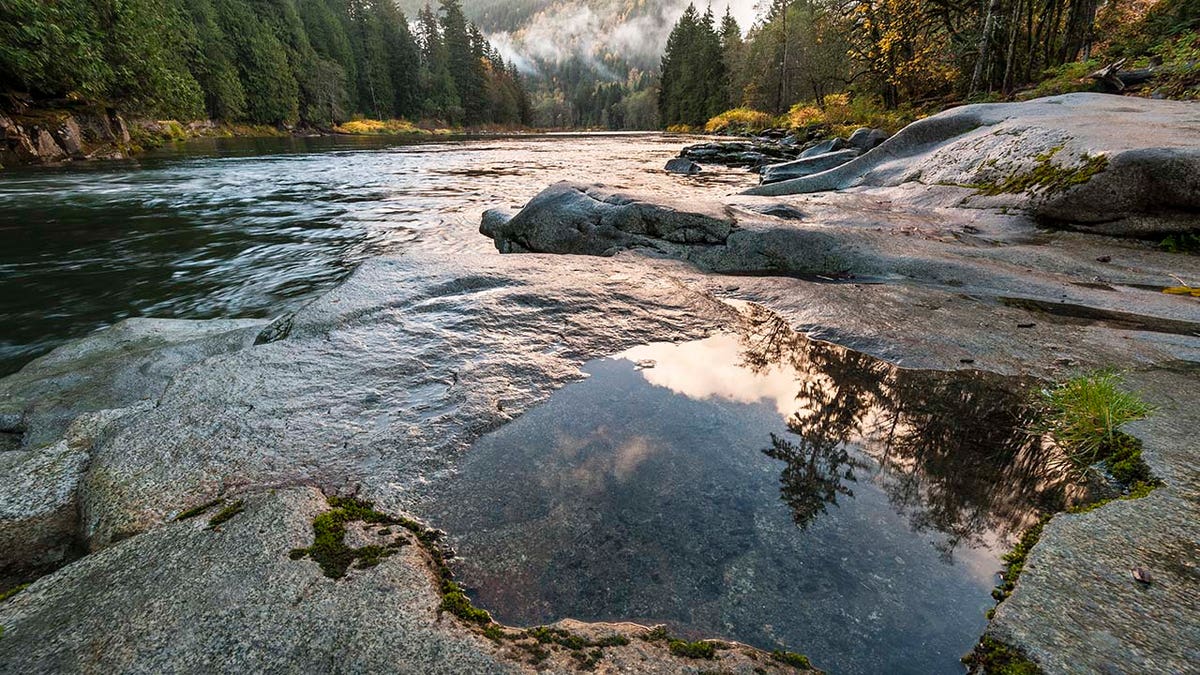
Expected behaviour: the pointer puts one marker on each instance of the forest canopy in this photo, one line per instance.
(316, 62)
(804, 56)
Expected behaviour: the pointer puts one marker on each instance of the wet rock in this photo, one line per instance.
(682, 165)
(752, 153)
(1095, 162)
(804, 167)
(594, 220)
(865, 139)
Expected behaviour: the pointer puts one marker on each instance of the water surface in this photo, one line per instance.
(759, 487)
(242, 228)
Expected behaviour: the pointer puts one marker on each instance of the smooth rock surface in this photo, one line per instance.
(1150, 181)
(828, 145)
(773, 173)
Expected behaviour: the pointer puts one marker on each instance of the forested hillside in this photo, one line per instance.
(589, 63)
(316, 62)
(886, 61)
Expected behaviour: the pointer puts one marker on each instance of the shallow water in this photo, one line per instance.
(759, 487)
(240, 228)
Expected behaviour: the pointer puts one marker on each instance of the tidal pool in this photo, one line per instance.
(760, 487)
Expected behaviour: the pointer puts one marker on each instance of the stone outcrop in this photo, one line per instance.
(1096, 162)
(55, 136)
(574, 218)
(773, 173)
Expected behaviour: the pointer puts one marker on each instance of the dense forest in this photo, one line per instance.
(280, 62)
(885, 55)
(587, 63)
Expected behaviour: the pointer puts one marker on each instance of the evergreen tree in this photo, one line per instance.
(463, 62)
(439, 97)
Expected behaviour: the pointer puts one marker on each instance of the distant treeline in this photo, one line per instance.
(897, 53)
(317, 62)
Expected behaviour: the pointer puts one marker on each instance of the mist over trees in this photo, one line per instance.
(317, 62)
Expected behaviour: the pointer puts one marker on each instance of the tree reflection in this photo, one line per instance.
(948, 448)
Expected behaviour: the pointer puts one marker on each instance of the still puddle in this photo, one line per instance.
(759, 487)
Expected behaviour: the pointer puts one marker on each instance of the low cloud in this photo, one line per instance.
(597, 29)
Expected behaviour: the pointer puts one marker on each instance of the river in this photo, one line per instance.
(243, 228)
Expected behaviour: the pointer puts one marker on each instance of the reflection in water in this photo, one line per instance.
(645, 494)
(921, 428)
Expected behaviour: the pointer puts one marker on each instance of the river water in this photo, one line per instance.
(244, 228)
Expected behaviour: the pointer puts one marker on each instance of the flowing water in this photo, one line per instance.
(753, 486)
(241, 228)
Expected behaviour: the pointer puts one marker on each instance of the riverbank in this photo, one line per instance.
(32, 134)
(378, 388)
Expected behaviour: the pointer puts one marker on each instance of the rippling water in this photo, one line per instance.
(237, 228)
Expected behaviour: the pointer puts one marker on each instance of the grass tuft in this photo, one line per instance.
(1084, 416)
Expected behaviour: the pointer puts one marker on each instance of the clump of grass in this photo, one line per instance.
(739, 120)
(1182, 242)
(1084, 416)
(226, 513)
(378, 127)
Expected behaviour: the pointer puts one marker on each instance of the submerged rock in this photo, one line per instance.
(1097, 162)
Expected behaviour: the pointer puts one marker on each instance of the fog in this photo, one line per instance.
(598, 28)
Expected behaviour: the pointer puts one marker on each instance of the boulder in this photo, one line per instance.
(682, 165)
(828, 145)
(595, 220)
(864, 139)
(69, 137)
(1095, 162)
(46, 148)
(807, 166)
(751, 153)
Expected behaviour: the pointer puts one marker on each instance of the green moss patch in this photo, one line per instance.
(1047, 176)
(792, 659)
(335, 558)
(329, 549)
(197, 510)
(702, 649)
(12, 591)
(993, 657)
(226, 513)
